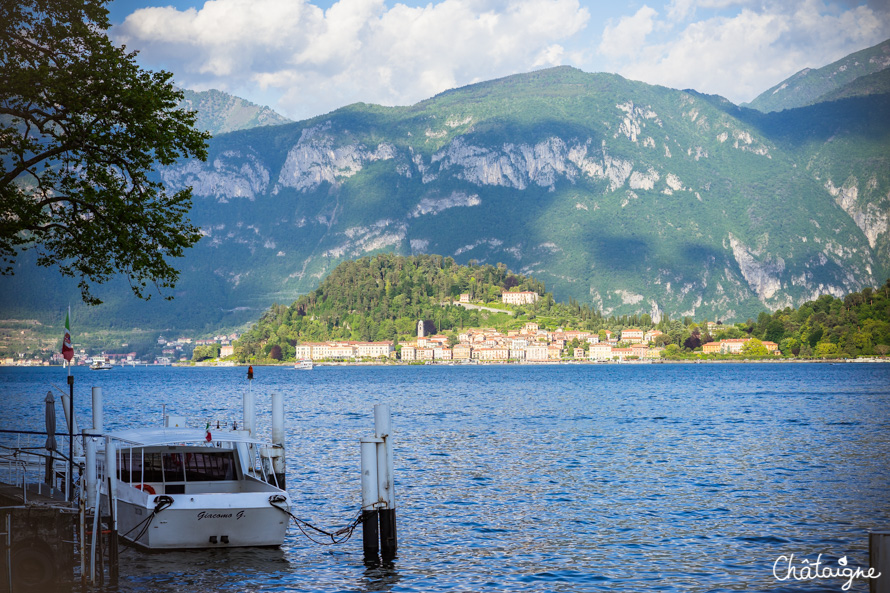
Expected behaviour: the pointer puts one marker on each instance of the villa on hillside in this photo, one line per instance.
(520, 298)
(632, 335)
(734, 346)
(651, 335)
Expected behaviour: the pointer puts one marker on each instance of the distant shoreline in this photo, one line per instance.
(561, 362)
(497, 363)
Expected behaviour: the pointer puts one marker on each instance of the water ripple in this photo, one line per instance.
(550, 478)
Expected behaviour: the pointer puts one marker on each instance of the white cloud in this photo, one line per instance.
(305, 61)
(625, 37)
(743, 54)
(357, 50)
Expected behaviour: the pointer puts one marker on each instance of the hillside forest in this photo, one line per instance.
(381, 298)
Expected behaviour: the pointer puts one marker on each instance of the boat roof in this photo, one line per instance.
(181, 436)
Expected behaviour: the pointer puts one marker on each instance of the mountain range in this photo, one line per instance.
(219, 112)
(632, 197)
(853, 75)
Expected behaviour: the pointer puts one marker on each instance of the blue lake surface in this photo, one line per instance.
(692, 477)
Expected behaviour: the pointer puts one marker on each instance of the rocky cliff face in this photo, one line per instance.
(873, 219)
(229, 176)
(318, 158)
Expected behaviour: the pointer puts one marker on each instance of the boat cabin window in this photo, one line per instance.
(192, 466)
(132, 469)
(209, 467)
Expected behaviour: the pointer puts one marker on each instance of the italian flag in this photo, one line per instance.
(67, 350)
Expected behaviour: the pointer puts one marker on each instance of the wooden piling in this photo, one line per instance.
(879, 561)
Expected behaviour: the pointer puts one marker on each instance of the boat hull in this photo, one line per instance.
(203, 521)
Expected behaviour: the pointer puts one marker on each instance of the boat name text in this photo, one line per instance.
(206, 515)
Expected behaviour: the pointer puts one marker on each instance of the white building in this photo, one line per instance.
(519, 298)
(373, 349)
(600, 352)
(537, 352)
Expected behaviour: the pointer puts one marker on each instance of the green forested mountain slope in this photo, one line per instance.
(813, 85)
(856, 325)
(629, 197)
(382, 297)
(869, 84)
(220, 112)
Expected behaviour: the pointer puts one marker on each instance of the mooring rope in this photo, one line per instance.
(162, 503)
(278, 501)
(339, 536)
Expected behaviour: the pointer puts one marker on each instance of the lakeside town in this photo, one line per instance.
(173, 351)
(427, 309)
(530, 343)
(509, 329)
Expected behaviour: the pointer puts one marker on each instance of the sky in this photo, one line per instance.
(308, 57)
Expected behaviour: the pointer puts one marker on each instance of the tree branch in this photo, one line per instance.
(25, 165)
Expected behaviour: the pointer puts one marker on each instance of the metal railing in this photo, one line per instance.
(26, 464)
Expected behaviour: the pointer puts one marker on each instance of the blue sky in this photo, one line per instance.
(304, 58)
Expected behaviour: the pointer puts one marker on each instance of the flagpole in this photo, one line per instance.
(71, 432)
(70, 421)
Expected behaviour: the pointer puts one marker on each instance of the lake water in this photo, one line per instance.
(692, 477)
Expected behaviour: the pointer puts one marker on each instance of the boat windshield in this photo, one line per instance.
(191, 466)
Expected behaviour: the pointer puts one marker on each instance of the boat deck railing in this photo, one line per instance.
(35, 473)
(129, 454)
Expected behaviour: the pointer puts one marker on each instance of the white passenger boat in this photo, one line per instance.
(303, 365)
(100, 363)
(191, 488)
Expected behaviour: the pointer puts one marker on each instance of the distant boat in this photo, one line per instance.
(303, 365)
(99, 363)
